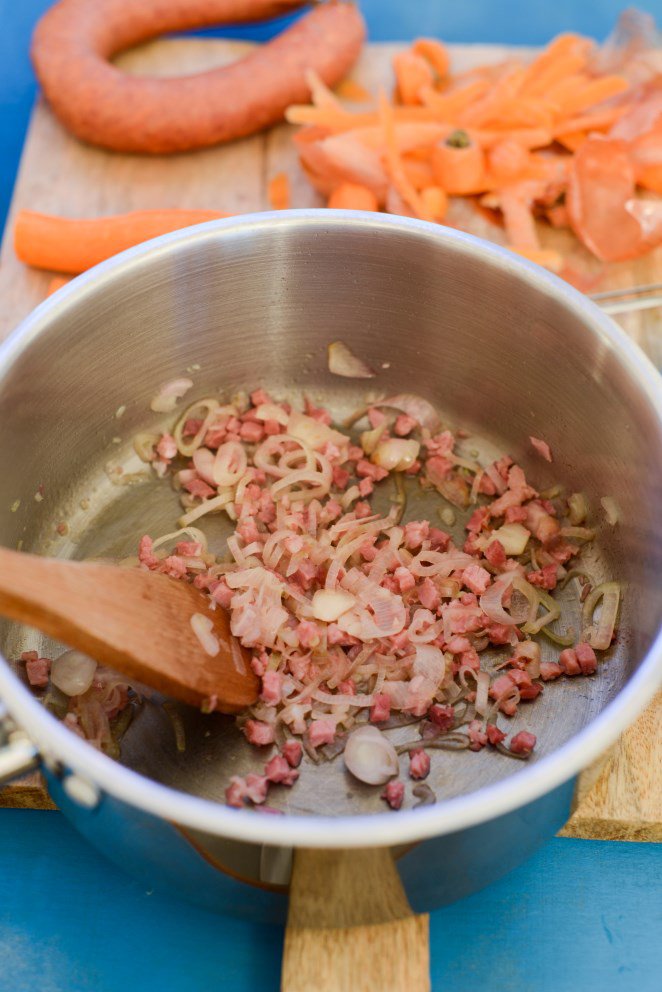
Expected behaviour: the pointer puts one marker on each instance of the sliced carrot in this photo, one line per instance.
(595, 91)
(57, 282)
(412, 74)
(64, 244)
(526, 137)
(547, 257)
(349, 89)
(435, 201)
(394, 163)
(458, 163)
(279, 192)
(517, 217)
(320, 94)
(599, 120)
(507, 159)
(418, 172)
(351, 196)
(449, 104)
(435, 53)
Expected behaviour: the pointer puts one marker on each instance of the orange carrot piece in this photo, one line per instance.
(57, 282)
(352, 196)
(435, 53)
(596, 91)
(547, 257)
(412, 74)
(394, 163)
(418, 172)
(279, 192)
(349, 89)
(526, 137)
(64, 244)
(435, 201)
(599, 120)
(320, 94)
(458, 163)
(518, 219)
(345, 120)
(559, 53)
(448, 105)
(572, 140)
(507, 160)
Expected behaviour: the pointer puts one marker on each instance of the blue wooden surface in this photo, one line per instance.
(580, 916)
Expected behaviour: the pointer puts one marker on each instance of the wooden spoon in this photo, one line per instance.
(134, 621)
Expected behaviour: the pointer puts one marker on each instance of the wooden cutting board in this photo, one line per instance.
(620, 797)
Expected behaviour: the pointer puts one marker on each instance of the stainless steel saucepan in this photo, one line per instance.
(502, 348)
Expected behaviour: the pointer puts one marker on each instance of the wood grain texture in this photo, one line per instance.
(620, 796)
(350, 926)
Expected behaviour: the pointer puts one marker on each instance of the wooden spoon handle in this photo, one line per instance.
(350, 926)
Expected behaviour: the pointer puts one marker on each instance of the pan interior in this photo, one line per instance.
(496, 354)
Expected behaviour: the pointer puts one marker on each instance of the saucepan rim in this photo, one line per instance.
(357, 830)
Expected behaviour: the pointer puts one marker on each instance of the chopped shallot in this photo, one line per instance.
(345, 363)
(203, 629)
(370, 756)
(165, 400)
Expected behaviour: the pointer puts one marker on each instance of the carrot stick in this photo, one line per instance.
(595, 121)
(349, 89)
(345, 120)
(63, 244)
(593, 92)
(418, 172)
(352, 196)
(279, 192)
(412, 74)
(435, 201)
(57, 282)
(458, 163)
(448, 105)
(572, 140)
(518, 219)
(394, 163)
(435, 53)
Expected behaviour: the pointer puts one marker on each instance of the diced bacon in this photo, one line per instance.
(347, 687)
(278, 770)
(428, 594)
(478, 519)
(293, 753)
(272, 687)
(457, 644)
(309, 634)
(527, 688)
(569, 662)
(191, 426)
(414, 468)
(241, 791)
(477, 736)
(404, 424)
(222, 594)
(419, 763)
(415, 533)
(167, 447)
(366, 487)
(368, 551)
(495, 553)
(494, 735)
(394, 793)
(251, 431)
(340, 477)
(499, 633)
(476, 578)
(586, 658)
(381, 708)
(37, 670)
(330, 511)
(376, 417)
(544, 578)
(272, 427)
(188, 549)
(502, 466)
(258, 733)
(400, 642)
(439, 539)
(438, 468)
(196, 487)
(523, 743)
(354, 453)
(486, 486)
(145, 554)
(334, 635)
(442, 716)
(516, 515)
(470, 659)
(543, 526)
(215, 437)
(441, 444)
(362, 510)
(318, 413)
(259, 397)
(259, 664)
(321, 732)
(173, 566)
(511, 498)
(541, 447)
(366, 470)
(550, 670)
(404, 578)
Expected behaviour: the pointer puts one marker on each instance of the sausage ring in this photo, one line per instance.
(75, 40)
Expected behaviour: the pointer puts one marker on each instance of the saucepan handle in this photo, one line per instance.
(18, 755)
(350, 926)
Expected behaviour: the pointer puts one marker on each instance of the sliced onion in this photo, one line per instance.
(491, 602)
(578, 533)
(165, 400)
(341, 361)
(612, 511)
(414, 406)
(144, 444)
(207, 506)
(530, 652)
(230, 464)
(203, 462)
(329, 604)
(429, 662)
(541, 447)
(370, 439)
(272, 411)
(578, 508)
(481, 703)
(396, 454)
(439, 563)
(73, 673)
(513, 537)
(370, 757)
(209, 410)
(534, 626)
(313, 433)
(203, 628)
(600, 635)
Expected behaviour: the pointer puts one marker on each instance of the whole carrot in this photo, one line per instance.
(64, 244)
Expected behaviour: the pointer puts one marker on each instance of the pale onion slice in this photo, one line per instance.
(396, 454)
(370, 757)
(203, 628)
(272, 411)
(345, 363)
(491, 602)
(73, 673)
(165, 400)
(329, 604)
(414, 406)
(612, 511)
(314, 433)
(600, 635)
(513, 537)
(370, 439)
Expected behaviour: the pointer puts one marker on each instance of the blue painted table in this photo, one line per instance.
(581, 915)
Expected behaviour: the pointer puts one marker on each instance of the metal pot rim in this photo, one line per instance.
(56, 743)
